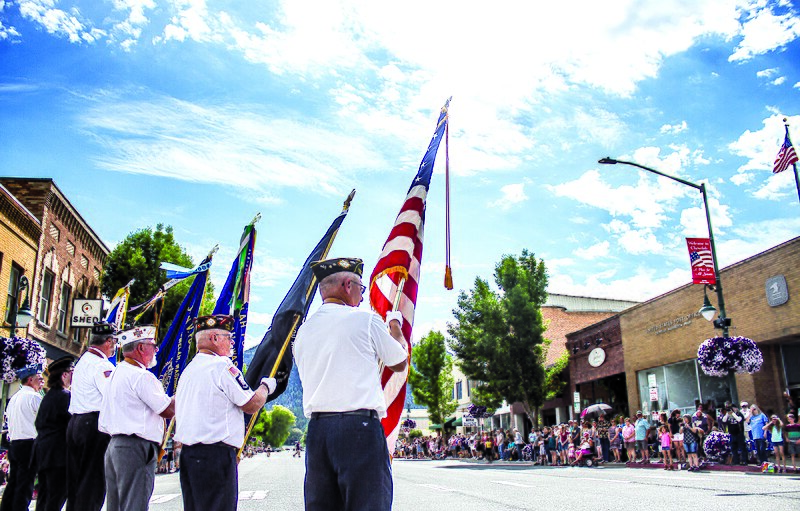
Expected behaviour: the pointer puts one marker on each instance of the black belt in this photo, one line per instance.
(362, 412)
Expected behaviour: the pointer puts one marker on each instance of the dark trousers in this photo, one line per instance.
(86, 450)
(209, 477)
(605, 446)
(761, 450)
(52, 489)
(347, 465)
(739, 448)
(19, 489)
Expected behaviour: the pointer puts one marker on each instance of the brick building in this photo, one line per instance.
(660, 337)
(68, 264)
(20, 231)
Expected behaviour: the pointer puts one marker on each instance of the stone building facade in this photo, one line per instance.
(69, 262)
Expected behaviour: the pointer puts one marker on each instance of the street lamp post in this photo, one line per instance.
(22, 313)
(723, 322)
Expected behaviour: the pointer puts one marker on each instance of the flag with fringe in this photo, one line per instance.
(398, 268)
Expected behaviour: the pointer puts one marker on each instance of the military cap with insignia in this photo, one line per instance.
(103, 328)
(28, 371)
(61, 365)
(215, 322)
(138, 334)
(329, 267)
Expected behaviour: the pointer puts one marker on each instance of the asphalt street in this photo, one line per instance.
(276, 482)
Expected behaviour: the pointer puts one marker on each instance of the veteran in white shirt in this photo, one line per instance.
(86, 444)
(210, 404)
(338, 351)
(22, 409)
(133, 412)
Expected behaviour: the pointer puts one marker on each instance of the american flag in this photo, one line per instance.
(400, 260)
(786, 155)
(702, 258)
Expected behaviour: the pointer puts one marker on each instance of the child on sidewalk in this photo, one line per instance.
(777, 435)
(666, 446)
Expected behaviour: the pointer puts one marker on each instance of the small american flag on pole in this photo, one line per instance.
(786, 155)
(702, 260)
(398, 268)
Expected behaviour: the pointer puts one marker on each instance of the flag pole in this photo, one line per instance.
(395, 306)
(794, 165)
(274, 370)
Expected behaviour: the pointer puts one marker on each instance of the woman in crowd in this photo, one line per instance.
(775, 430)
(595, 434)
(629, 437)
(793, 438)
(757, 420)
(615, 439)
(563, 444)
(691, 437)
(50, 448)
(675, 421)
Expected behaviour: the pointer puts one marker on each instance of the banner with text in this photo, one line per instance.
(702, 260)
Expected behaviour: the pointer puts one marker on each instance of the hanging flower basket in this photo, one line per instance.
(18, 352)
(719, 356)
(478, 412)
(408, 424)
(717, 445)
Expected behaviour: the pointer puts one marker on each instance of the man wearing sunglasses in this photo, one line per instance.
(133, 412)
(338, 350)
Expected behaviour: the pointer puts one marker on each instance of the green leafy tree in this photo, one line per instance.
(138, 257)
(431, 377)
(296, 434)
(499, 337)
(553, 382)
(274, 426)
(415, 433)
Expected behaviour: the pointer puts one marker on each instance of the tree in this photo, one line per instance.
(138, 257)
(431, 377)
(553, 384)
(274, 426)
(499, 337)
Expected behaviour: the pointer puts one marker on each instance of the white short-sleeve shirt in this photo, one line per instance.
(22, 409)
(338, 350)
(132, 403)
(89, 381)
(210, 392)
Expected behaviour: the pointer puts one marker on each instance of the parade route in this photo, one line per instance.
(276, 482)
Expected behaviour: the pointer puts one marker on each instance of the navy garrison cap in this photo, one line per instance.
(328, 267)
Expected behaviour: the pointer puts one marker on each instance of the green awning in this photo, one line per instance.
(458, 423)
(450, 423)
(435, 426)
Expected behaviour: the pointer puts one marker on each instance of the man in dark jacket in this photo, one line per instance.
(733, 422)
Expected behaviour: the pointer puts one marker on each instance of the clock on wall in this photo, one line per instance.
(596, 357)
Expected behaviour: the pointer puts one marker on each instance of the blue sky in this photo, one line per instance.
(200, 114)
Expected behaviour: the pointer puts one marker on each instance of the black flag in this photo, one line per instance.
(276, 346)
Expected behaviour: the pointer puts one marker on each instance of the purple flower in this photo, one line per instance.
(720, 356)
(18, 352)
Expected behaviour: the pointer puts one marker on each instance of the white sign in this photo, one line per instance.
(653, 393)
(576, 398)
(651, 379)
(470, 421)
(577, 407)
(596, 357)
(85, 313)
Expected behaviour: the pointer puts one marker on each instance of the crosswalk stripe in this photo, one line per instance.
(437, 487)
(253, 495)
(509, 483)
(160, 499)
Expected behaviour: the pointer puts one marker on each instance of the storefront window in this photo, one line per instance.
(682, 386)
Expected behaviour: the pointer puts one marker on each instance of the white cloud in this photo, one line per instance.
(130, 29)
(764, 31)
(225, 144)
(674, 129)
(593, 252)
(59, 22)
(643, 285)
(512, 194)
(779, 81)
(796, 86)
(749, 239)
(767, 73)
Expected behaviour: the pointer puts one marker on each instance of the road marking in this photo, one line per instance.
(253, 495)
(160, 499)
(509, 483)
(621, 481)
(437, 487)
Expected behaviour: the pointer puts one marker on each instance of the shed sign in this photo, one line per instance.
(85, 313)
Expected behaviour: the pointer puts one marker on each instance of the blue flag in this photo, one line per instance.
(234, 297)
(275, 346)
(174, 349)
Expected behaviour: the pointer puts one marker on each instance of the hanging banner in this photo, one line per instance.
(702, 260)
